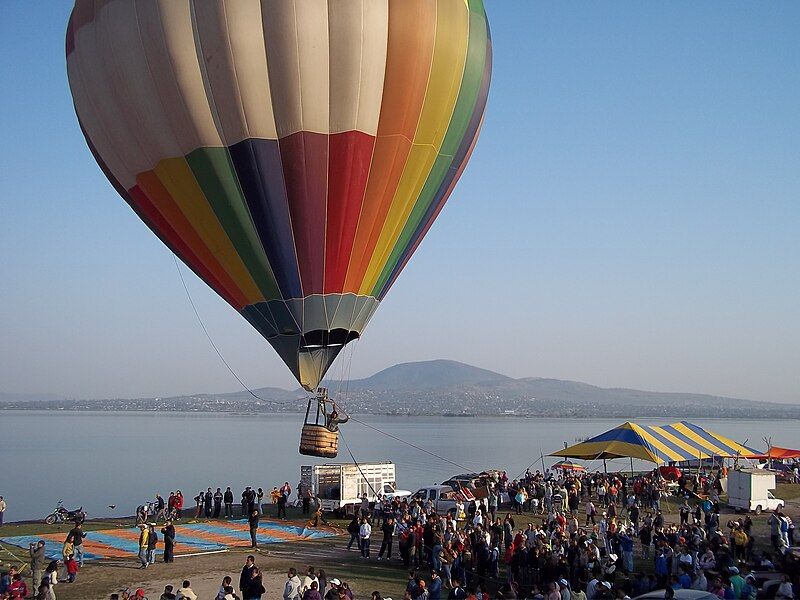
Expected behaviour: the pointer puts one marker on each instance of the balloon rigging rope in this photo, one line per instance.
(213, 345)
(347, 385)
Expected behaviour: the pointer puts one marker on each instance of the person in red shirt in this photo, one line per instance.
(72, 568)
(178, 504)
(18, 587)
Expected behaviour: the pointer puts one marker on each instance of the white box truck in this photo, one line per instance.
(340, 487)
(749, 489)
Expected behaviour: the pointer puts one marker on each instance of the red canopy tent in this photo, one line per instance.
(778, 453)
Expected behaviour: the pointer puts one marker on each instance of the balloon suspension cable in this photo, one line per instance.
(389, 435)
(347, 384)
(214, 346)
(407, 443)
(358, 466)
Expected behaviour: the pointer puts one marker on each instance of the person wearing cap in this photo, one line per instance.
(749, 589)
(737, 581)
(333, 593)
(564, 591)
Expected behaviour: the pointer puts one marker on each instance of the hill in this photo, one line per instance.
(447, 387)
(428, 375)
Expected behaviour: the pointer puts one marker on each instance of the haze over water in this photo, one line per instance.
(100, 459)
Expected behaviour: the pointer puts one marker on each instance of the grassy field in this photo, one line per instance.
(101, 578)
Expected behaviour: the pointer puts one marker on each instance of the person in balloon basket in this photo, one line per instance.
(334, 420)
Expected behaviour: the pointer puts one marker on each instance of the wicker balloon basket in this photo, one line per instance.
(318, 440)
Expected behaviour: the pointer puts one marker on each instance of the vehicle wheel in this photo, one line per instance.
(758, 509)
(737, 510)
(50, 519)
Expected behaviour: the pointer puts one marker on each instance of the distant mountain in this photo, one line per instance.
(428, 375)
(446, 387)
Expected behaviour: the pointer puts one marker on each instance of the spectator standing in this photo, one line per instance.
(208, 502)
(228, 499)
(255, 589)
(168, 531)
(291, 590)
(37, 562)
(152, 541)
(76, 536)
(144, 535)
(247, 574)
(253, 522)
(218, 496)
(364, 533)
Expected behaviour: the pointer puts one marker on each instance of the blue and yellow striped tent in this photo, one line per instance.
(658, 444)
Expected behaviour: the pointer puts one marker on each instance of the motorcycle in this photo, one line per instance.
(62, 515)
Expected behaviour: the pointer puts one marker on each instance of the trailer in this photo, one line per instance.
(749, 489)
(340, 488)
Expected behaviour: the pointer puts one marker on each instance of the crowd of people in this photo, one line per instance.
(585, 540)
(562, 536)
(220, 504)
(313, 584)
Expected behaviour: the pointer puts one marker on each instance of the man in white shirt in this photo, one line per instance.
(308, 579)
(364, 533)
(292, 589)
(2, 510)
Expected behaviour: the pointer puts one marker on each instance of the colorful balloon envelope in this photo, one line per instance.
(293, 153)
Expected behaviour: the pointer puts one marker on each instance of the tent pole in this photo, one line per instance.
(541, 455)
(631, 466)
(605, 469)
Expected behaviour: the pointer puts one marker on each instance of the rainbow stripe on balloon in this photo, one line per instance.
(292, 153)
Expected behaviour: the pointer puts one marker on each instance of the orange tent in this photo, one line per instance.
(778, 453)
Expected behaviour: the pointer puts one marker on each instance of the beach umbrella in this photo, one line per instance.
(568, 465)
(292, 154)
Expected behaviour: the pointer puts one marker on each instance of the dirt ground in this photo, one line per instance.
(99, 579)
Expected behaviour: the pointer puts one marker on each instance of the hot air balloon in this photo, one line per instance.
(292, 153)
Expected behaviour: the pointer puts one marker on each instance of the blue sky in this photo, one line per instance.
(630, 218)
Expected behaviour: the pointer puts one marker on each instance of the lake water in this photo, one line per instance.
(99, 459)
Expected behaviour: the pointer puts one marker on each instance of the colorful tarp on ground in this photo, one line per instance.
(191, 537)
(658, 444)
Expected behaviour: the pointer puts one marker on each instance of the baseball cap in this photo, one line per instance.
(335, 581)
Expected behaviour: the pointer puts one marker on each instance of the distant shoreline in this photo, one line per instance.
(604, 416)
